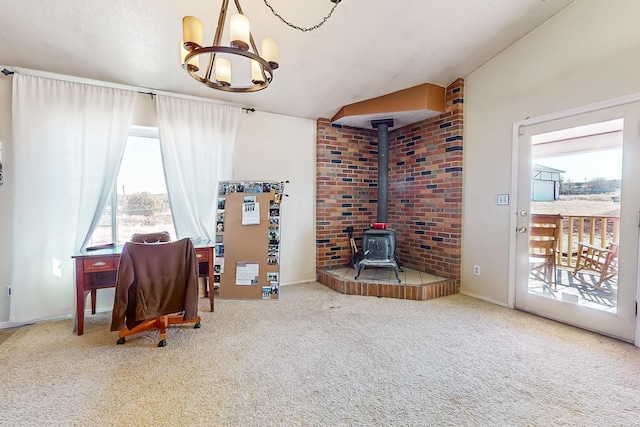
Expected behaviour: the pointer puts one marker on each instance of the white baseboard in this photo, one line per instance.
(6, 325)
(480, 297)
(298, 282)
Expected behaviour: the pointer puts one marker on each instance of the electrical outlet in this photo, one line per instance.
(8, 291)
(476, 270)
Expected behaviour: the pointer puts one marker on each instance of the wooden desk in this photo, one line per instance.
(97, 270)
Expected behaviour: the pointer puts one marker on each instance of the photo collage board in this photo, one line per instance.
(247, 251)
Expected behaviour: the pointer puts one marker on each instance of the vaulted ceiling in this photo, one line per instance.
(368, 48)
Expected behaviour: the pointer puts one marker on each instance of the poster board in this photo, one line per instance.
(247, 253)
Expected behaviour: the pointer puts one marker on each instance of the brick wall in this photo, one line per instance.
(425, 189)
(346, 189)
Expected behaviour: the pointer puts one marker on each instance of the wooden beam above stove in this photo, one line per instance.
(404, 107)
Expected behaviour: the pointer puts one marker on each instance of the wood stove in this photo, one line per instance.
(379, 250)
(379, 245)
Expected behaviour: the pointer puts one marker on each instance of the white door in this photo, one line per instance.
(593, 159)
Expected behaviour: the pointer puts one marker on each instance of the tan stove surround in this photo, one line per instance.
(405, 106)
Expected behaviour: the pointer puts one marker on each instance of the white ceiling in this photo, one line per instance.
(367, 49)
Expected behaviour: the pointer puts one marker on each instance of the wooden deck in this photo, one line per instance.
(570, 289)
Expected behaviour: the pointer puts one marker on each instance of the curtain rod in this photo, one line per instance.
(144, 91)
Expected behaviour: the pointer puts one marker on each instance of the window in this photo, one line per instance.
(140, 193)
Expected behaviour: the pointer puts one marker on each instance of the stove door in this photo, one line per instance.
(378, 248)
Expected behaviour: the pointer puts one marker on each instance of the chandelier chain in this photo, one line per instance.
(315, 27)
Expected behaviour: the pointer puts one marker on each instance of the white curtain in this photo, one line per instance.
(68, 140)
(197, 141)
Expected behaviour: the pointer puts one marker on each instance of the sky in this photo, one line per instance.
(141, 168)
(587, 166)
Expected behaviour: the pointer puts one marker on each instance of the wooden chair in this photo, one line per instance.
(164, 236)
(597, 261)
(157, 237)
(544, 234)
(156, 286)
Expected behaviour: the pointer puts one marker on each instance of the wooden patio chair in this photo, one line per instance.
(544, 234)
(602, 263)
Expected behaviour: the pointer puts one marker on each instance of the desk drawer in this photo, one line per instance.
(100, 264)
(202, 255)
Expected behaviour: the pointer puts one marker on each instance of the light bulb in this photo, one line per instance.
(223, 71)
(239, 32)
(192, 31)
(194, 62)
(270, 52)
(256, 72)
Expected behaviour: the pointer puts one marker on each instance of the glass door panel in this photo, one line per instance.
(574, 184)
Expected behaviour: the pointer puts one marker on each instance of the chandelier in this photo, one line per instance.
(216, 59)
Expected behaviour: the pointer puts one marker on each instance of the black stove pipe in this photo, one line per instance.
(383, 166)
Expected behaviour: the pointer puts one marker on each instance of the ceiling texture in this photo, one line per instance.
(368, 48)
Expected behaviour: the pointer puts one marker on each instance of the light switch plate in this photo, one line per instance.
(503, 199)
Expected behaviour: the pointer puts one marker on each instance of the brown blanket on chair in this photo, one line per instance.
(154, 280)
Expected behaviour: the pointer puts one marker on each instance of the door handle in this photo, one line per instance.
(522, 229)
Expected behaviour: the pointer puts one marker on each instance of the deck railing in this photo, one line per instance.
(596, 230)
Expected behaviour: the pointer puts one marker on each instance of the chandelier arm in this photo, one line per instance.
(315, 27)
(218, 36)
(221, 20)
(212, 59)
(255, 50)
(238, 7)
(253, 44)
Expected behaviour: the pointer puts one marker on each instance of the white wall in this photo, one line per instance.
(588, 53)
(269, 147)
(281, 148)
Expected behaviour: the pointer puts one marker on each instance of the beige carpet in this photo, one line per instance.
(320, 358)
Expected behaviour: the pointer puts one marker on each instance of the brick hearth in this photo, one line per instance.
(414, 286)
